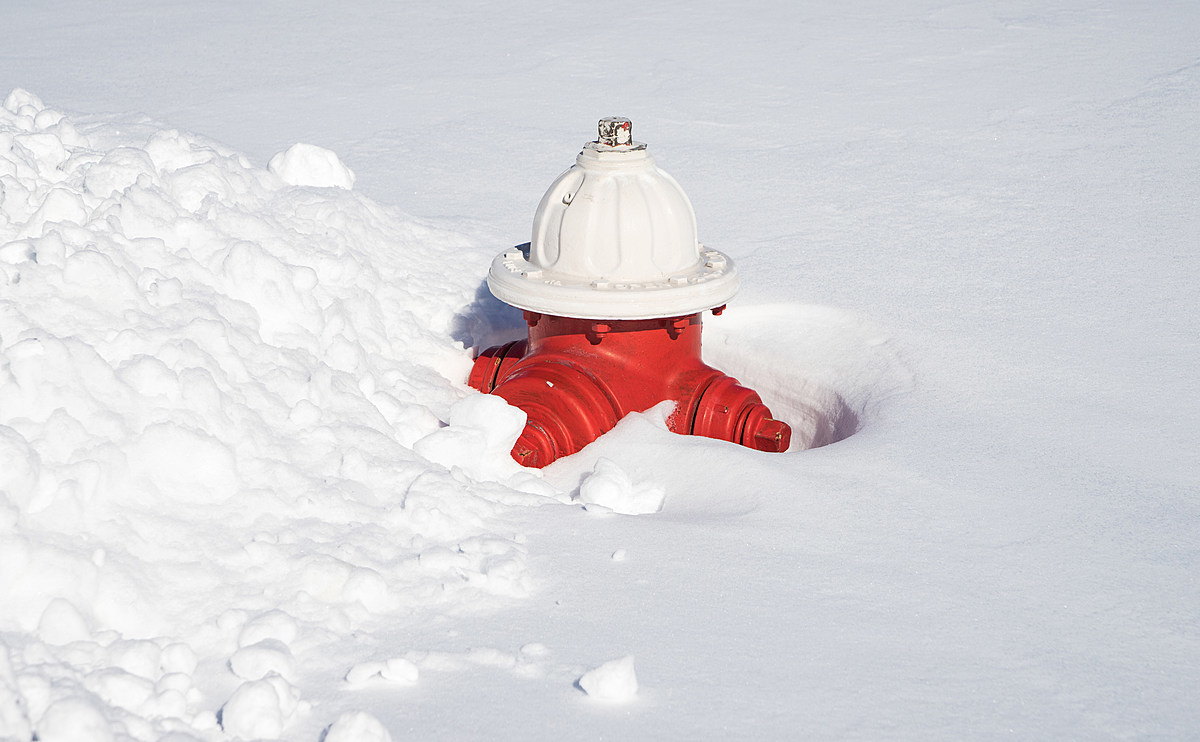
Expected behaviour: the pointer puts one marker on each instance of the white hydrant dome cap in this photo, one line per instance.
(614, 238)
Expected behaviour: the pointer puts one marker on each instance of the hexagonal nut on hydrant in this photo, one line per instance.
(773, 436)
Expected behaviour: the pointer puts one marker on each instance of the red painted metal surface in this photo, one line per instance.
(575, 378)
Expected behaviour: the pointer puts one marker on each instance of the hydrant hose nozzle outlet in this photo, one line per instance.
(613, 284)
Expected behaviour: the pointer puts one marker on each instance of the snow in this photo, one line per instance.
(310, 165)
(73, 719)
(259, 709)
(610, 488)
(357, 726)
(246, 494)
(395, 670)
(479, 433)
(260, 659)
(614, 681)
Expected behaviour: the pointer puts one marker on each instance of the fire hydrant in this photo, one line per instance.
(613, 285)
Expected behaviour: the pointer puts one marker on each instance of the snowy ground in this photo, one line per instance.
(230, 508)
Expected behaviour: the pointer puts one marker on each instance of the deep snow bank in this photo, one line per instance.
(214, 386)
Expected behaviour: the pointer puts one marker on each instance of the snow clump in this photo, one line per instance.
(260, 709)
(357, 726)
(609, 487)
(310, 165)
(613, 681)
(481, 432)
(72, 720)
(397, 670)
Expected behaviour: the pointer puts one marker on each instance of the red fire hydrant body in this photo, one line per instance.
(575, 378)
(613, 287)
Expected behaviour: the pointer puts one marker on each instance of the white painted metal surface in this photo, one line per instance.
(614, 238)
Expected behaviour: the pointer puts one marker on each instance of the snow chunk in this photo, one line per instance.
(260, 659)
(23, 103)
(400, 670)
(60, 205)
(310, 165)
(613, 681)
(74, 719)
(121, 689)
(274, 624)
(139, 657)
(259, 709)
(396, 670)
(481, 433)
(47, 149)
(117, 170)
(611, 488)
(62, 623)
(357, 726)
(178, 659)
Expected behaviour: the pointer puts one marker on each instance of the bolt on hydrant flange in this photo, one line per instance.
(613, 285)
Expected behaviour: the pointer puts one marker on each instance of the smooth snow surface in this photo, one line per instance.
(246, 494)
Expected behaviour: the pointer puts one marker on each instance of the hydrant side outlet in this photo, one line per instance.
(614, 283)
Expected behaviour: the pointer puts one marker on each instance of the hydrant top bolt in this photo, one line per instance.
(615, 131)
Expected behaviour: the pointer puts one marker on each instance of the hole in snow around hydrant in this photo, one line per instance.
(819, 369)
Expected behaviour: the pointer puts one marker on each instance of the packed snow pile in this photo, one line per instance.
(221, 436)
